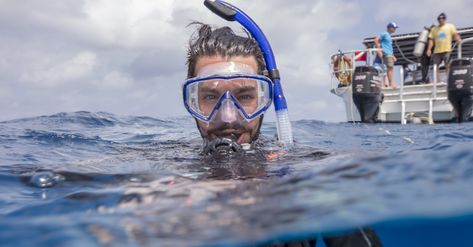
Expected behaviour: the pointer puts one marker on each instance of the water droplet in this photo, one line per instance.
(44, 194)
(135, 180)
(46, 179)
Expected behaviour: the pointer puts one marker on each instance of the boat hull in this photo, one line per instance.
(414, 103)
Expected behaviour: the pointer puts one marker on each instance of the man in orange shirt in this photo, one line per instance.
(441, 36)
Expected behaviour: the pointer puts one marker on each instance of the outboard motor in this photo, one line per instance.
(460, 87)
(367, 94)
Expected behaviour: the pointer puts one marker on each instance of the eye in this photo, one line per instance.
(245, 97)
(210, 97)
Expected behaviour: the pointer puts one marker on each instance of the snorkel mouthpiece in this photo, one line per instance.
(222, 146)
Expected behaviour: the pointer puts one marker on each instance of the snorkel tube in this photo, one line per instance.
(232, 13)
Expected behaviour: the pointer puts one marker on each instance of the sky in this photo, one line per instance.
(127, 57)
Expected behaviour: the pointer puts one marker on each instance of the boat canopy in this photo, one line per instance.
(404, 44)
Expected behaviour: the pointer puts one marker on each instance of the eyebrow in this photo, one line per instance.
(208, 90)
(245, 89)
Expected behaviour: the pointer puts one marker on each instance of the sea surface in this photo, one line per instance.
(98, 179)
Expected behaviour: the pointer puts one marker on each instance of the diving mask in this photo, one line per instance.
(227, 92)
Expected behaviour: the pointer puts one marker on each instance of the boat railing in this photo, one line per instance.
(460, 44)
(352, 58)
(435, 81)
(435, 72)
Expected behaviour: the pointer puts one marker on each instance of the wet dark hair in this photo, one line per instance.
(220, 42)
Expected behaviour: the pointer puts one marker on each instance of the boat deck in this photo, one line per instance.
(423, 101)
(426, 102)
(408, 103)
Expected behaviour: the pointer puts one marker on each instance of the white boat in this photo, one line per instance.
(413, 100)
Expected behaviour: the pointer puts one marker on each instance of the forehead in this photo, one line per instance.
(239, 83)
(206, 60)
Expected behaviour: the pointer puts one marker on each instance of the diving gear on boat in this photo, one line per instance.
(342, 69)
(422, 42)
(227, 92)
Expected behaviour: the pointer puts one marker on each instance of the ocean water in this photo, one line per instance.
(97, 179)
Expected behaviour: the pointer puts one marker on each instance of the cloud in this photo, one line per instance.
(305, 39)
(115, 80)
(419, 13)
(55, 74)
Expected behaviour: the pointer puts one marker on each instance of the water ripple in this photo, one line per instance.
(100, 179)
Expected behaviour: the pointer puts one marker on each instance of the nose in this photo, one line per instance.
(228, 111)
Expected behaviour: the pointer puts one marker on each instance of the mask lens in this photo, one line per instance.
(208, 94)
(249, 94)
(246, 92)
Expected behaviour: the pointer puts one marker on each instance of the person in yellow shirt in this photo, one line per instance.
(441, 36)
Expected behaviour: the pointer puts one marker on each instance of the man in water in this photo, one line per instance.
(226, 91)
(441, 36)
(385, 42)
(227, 94)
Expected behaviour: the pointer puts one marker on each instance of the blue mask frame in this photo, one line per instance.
(226, 95)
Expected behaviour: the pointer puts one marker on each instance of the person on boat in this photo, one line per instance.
(226, 91)
(385, 42)
(441, 37)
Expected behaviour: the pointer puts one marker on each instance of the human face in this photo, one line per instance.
(392, 30)
(244, 132)
(441, 21)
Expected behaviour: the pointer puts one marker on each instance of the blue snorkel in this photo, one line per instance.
(232, 13)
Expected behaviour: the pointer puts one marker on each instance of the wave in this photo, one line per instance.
(144, 178)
